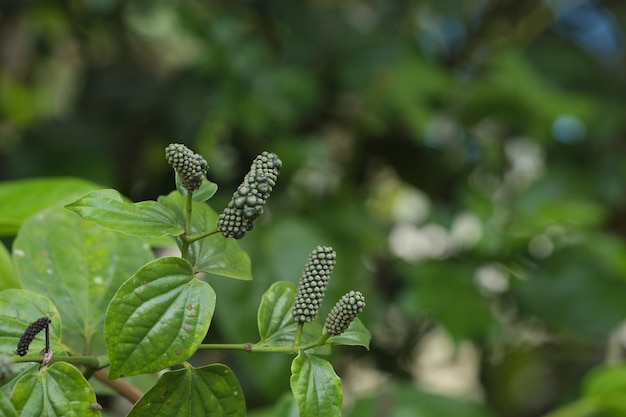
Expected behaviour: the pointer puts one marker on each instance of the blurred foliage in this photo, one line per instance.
(464, 158)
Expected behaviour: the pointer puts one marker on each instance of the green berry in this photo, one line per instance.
(248, 201)
(190, 166)
(344, 312)
(313, 283)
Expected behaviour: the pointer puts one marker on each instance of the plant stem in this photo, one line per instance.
(251, 347)
(126, 390)
(298, 337)
(193, 238)
(188, 206)
(88, 361)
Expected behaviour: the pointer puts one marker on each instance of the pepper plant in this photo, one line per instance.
(110, 310)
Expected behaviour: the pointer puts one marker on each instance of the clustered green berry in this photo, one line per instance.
(344, 312)
(29, 334)
(6, 368)
(248, 201)
(312, 286)
(190, 166)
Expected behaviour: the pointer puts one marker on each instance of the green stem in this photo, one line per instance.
(193, 238)
(88, 361)
(188, 205)
(298, 337)
(251, 347)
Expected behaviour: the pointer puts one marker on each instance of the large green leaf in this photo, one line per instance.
(157, 318)
(214, 254)
(59, 390)
(8, 275)
(79, 266)
(315, 386)
(109, 209)
(356, 335)
(23, 198)
(276, 324)
(210, 391)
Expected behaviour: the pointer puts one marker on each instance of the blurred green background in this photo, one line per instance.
(465, 158)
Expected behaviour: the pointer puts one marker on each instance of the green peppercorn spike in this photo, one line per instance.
(344, 313)
(313, 283)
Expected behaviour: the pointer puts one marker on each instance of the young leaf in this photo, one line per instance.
(109, 209)
(211, 391)
(23, 198)
(213, 254)
(157, 318)
(315, 386)
(356, 335)
(59, 390)
(276, 324)
(78, 265)
(205, 192)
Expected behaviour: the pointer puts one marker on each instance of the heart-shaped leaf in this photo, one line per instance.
(213, 254)
(211, 391)
(276, 324)
(315, 386)
(109, 209)
(356, 335)
(157, 318)
(78, 265)
(59, 390)
(205, 192)
(23, 198)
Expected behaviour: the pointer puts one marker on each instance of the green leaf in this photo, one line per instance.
(157, 318)
(315, 386)
(7, 270)
(356, 335)
(26, 197)
(209, 391)
(205, 192)
(6, 407)
(58, 390)
(213, 254)
(78, 265)
(276, 324)
(606, 387)
(109, 209)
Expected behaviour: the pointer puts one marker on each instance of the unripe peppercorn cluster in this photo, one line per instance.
(312, 286)
(344, 312)
(248, 201)
(29, 334)
(190, 166)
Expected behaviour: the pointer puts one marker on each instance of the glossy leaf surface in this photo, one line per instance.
(211, 391)
(157, 318)
(109, 209)
(58, 390)
(316, 387)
